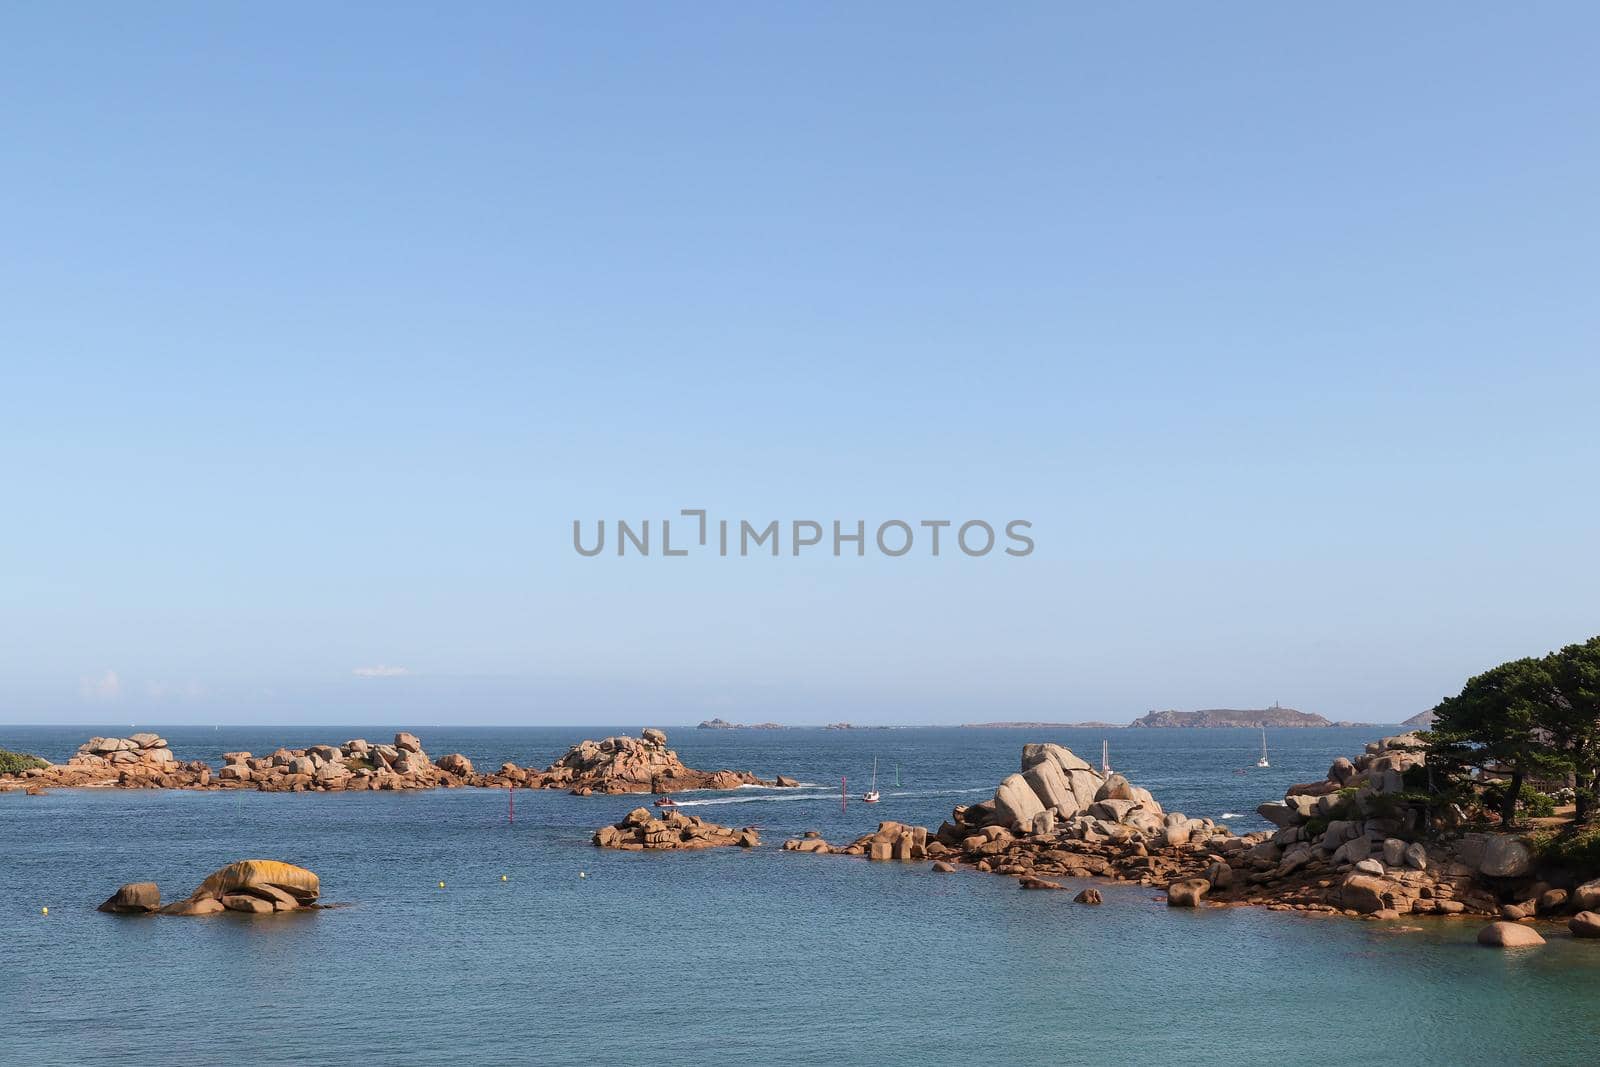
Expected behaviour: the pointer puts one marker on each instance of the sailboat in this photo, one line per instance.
(1105, 758)
(1262, 762)
(872, 796)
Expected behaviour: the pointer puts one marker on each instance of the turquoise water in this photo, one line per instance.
(739, 956)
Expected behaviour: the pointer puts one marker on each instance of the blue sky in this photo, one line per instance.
(319, 326)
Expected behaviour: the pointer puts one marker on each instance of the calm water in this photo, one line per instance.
(735, 956)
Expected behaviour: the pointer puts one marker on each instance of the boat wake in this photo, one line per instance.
(832, 794)
(787, 794)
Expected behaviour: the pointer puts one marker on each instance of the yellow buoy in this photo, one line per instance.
(503, 878)
(44, 911)
(441, 885)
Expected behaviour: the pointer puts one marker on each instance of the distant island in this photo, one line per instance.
(1423, 720)
(724, 724)
(1251, 717)
(1043, 725)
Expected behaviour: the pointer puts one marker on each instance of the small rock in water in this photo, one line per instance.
(1509, 935)
(1088, 896)
(1584, 924)
(135, 898)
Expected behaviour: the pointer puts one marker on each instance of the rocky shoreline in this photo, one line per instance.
(1344, 845)
(1349, 844)
(613, 765)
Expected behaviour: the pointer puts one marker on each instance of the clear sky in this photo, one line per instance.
(320, 323)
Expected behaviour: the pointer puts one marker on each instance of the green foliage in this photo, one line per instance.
(1538, 805)
(1316, 827)
(358, 763)
(1529, 718)
(17, 762)
(1575, 848)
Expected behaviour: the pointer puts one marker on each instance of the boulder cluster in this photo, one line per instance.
(355, 765)
(1350, 841)
(253, 887)
(141, 760)
(640, 830)
(890, 841)
(1346, 844)
(624, 764)
(615, 765)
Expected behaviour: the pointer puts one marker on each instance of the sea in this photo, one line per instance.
(477, 926)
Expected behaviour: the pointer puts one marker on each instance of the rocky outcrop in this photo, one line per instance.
(253, 887)
(1345, 845)
(615, 765)
(140, 760)
(355, 765)
(624, 764)
(640, 830)
(256, 887)
(135, 898)
(890, 841)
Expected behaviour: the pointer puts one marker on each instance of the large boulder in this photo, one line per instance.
(1015, 803)
(455, 763)
(1111, 810)
(1063, 758)
(1509, 935)
(1505, 857)
(1585, 924)
(1587, 896)
(260, 878)
(135, 898)
(1278, 814)
(1050, 784)
(1116, 787)
(1366, 894)
(1085, 786)
(1187, 893)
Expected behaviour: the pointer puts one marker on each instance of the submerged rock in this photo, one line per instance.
(1088, 896)
(1029, 882)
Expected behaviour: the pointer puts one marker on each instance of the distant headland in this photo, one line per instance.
(1250, 717)
(1043, 725)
